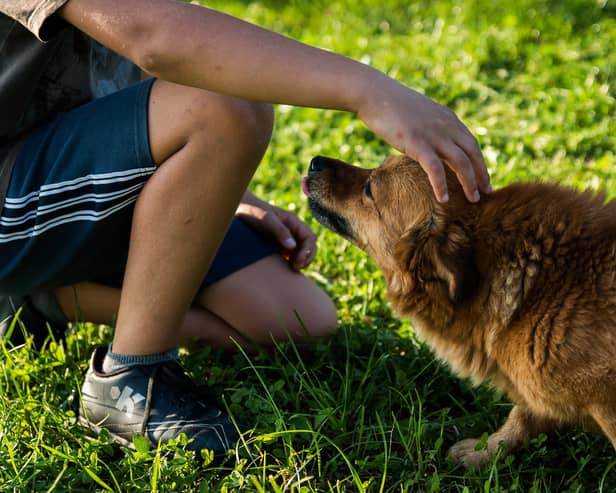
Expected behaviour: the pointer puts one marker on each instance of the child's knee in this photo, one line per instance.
(321, 319)
(313, 315)
(249, 124)
(179, 115)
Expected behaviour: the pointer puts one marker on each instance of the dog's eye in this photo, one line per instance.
(368, 190)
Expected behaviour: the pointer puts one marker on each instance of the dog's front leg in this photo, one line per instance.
(604, 416)
(521, 424)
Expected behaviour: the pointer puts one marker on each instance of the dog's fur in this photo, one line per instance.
(518, 290)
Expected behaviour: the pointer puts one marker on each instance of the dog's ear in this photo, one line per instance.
(438, 258)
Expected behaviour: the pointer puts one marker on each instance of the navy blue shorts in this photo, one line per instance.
(69, 205)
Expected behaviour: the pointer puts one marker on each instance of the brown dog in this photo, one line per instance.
(518, 290)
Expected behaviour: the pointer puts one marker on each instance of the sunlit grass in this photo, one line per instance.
(370, 410)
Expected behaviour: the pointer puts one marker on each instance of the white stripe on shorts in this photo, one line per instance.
(89, 197)
(57, 191)
(67, 218)
(100, 179)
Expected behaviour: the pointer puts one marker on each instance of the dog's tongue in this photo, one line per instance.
(305, 187)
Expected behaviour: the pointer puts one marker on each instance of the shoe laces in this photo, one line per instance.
(188, 392)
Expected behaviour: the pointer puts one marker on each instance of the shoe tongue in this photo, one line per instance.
(174, 376)
(172, 372)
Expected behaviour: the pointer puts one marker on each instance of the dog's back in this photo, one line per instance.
(541, 325)
(548, 255)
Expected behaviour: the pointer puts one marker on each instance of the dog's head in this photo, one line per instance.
(391, 213)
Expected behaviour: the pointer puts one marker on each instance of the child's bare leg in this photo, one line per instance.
(207, 147)
(240, 308)
(99, 304)
(267, 301)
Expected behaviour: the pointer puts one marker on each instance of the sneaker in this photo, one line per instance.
(157, 401)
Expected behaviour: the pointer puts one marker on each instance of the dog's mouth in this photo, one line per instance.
(330, 219)
(325, 216)
(306, 186)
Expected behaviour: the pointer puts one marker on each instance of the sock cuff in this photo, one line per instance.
(114, 361)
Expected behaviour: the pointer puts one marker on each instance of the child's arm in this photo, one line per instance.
(200, 47)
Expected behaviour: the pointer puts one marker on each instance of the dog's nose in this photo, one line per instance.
(317, 163)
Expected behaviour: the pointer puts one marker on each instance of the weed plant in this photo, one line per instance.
(369, 410)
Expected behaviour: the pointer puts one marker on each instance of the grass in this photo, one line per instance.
(370, 410)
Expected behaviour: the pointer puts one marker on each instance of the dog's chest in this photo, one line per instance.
(468, 356)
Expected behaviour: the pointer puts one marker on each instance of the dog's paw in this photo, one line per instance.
(465, 453)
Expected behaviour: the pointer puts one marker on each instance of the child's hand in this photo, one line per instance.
(296, 238)
(426, 131)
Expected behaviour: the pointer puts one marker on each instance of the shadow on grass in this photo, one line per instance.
(376, 409)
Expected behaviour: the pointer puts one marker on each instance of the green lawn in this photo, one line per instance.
(370, 410)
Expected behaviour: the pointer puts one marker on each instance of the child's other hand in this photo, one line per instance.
(295, 236)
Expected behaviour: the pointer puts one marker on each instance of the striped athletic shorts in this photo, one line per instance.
(68, 209)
